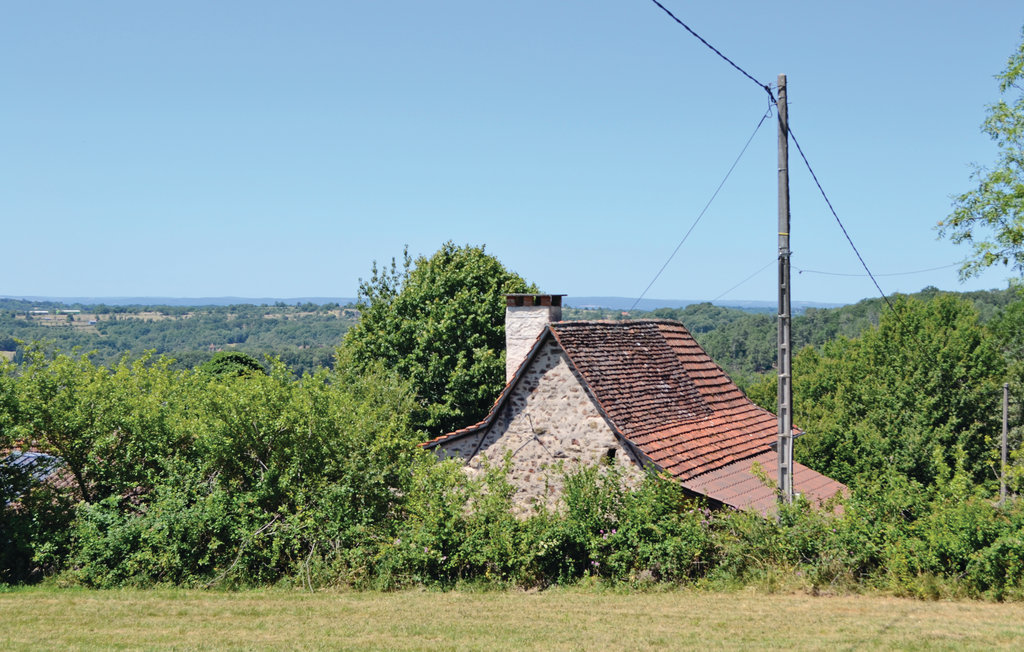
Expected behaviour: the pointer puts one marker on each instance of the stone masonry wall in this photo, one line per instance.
(549, 422)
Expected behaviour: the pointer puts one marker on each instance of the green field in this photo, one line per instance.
(575, 619)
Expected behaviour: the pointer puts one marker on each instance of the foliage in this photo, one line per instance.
(456, 528)
(648, 534)
(196, 479)
(303, 336)
(990, 218)
(439, 321)
(34, 523)
(191, 478)
(918, 395)
(231, 363)
(1007, 329)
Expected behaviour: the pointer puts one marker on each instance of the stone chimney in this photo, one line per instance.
(526, 315)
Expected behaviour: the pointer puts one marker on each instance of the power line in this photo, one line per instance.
(789, 130)
(916, 271)
(704, 210)
(770, 263)
(840, 222)
(765, 87)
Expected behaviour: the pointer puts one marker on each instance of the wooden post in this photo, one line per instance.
(785, 354)
(1006, 418)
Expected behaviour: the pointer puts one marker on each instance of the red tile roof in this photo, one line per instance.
(665, 395)
(738, 485)
(663, 392)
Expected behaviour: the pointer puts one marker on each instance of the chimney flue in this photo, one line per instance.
(526, 315)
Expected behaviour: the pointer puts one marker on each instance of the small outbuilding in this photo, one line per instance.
(640, 394)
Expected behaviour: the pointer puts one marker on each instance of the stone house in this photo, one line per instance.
(638, 394)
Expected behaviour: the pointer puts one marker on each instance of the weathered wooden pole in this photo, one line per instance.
(785, 354)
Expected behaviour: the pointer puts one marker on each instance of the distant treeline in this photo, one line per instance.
(303, 336)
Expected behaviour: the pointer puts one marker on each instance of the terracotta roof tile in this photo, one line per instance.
(666, 395)
(737, 485)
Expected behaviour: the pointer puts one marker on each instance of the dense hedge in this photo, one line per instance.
(194, 479)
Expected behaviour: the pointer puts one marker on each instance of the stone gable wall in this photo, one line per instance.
(547, 423)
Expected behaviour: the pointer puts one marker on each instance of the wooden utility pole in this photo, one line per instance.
(785, 355)
(1006, 419)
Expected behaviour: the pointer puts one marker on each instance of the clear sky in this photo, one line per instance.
(276, 149)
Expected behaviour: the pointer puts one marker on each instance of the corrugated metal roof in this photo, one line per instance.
(39, 467)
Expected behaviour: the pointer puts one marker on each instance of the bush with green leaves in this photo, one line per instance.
(231, 363)
(609, 530)
(189, 477)
(35, 522)
(454, 528)
(193, 479)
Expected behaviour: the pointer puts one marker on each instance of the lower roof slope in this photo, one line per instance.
(739, 485)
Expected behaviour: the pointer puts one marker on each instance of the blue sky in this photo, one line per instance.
(277, 149)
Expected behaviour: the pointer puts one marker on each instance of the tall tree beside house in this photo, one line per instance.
(990, 218)
(440, 322)
(917, 395)
(1007, 327)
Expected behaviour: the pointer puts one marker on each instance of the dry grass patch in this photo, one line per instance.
(549, 620)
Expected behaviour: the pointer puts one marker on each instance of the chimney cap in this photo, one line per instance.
(515, 300)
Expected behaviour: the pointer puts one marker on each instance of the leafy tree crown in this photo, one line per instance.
(439, 321)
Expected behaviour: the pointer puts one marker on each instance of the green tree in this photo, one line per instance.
(918, 395)
(231, 363)
(1007, 327)
(439, 321)
(273, 473)
(990, 217)
(111, 427)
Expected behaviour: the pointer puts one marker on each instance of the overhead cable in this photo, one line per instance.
(704, 210)
(770, 263)
(789, 130)
(916, 271)
(839, 221)
(765, 87)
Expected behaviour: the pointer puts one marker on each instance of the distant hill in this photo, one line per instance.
(608, 303)
(184, 301)
(625, 303)
(739, 335)
(303, 334)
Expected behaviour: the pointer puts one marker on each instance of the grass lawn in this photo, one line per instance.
(557, 619)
